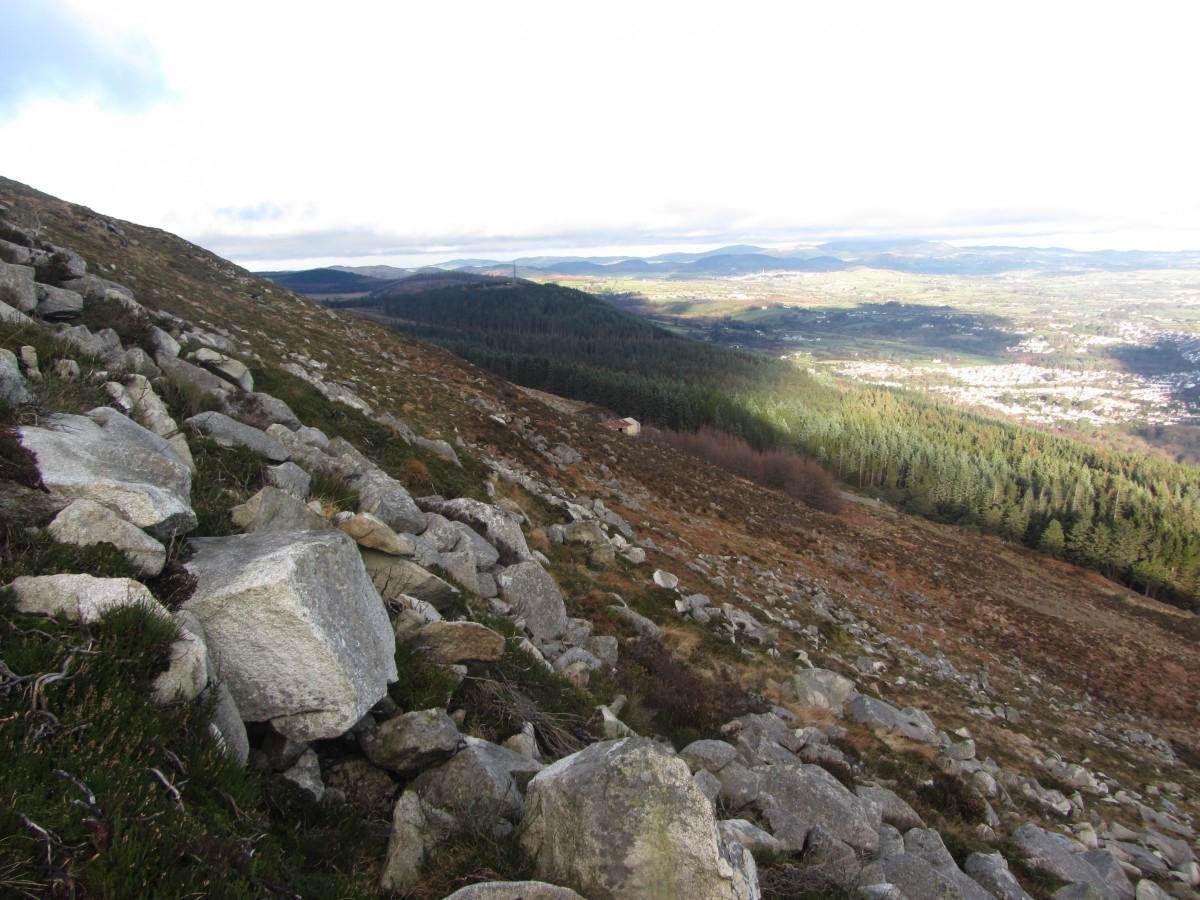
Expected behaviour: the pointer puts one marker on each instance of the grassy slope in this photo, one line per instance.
(978, 601)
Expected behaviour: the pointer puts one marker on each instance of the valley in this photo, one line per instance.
(1079, 350)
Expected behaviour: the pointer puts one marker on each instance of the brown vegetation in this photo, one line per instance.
(797, 476)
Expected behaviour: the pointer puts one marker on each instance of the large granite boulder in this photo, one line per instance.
(532, 592)
(301, 635)
(624, 819)
(112, 460)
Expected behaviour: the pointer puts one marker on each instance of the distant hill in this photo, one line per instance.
(898, 255)
(324, 282)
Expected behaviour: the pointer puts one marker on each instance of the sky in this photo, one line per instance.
(287, 135)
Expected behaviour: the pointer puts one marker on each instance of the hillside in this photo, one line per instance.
(866, 699)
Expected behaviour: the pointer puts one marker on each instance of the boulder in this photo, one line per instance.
(10, 316)
(909, 722)
(532, 592)
(301, 634)
(388, 500)
(17, 287)
(85, 522)
(708, 754)
(226, 367)
(814, 795)
(190, 378)
(1051, 853)
(497, 526)
(289, 478)
(665, 579)
(112, 460)
(417, 829)
(917, 878)
(100, 344)
(462, 567)
(895, 810)
(926, 844)
(471, 541)
(81, 598)
(186, 675)
(231, 433)
(821, 688)
(623, 819)
(991, 872)
(369, 531)
(478, 783)
(56, 304)
(274, 510)
(447, 643)
(394, 576)
(411, 742)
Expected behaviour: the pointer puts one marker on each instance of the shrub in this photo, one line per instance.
(678, 699)
(797, 476)
(953, 798)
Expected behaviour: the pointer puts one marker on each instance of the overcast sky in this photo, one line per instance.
(282, 136)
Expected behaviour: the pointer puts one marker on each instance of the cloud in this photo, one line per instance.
(46, 53)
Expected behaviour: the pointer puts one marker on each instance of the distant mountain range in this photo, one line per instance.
(912, 256)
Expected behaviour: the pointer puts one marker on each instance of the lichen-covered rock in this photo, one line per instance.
(106, 457)
(226, 367)
(412, 742)
(532, 592)
(448, 643)
(480, 783)
(301, 634)
(623, 819)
